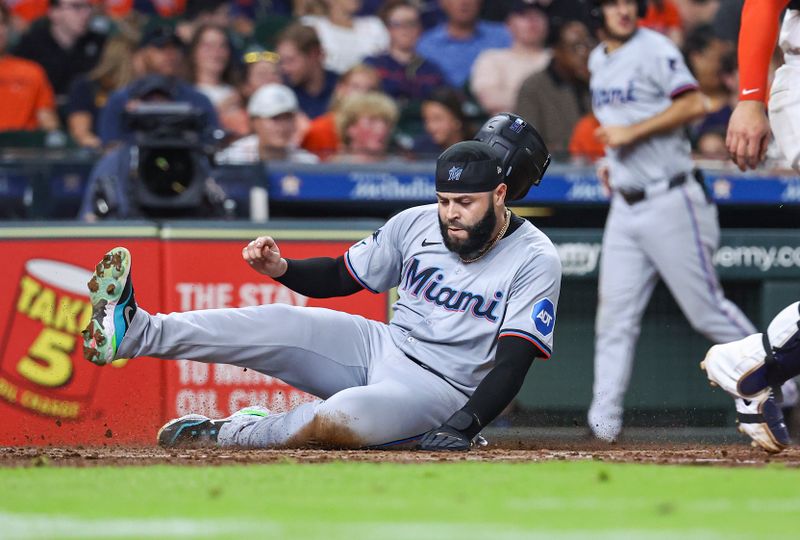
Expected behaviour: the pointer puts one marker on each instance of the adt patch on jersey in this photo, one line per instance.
(544, 316)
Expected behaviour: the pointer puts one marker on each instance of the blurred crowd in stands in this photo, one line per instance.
(334, 80)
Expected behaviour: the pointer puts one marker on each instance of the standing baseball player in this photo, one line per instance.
(749, 368)
(661, 222)
(478, 289)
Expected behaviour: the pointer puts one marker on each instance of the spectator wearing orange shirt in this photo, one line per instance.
(26, 97)
(584, 144)
(663, 17)
(322, 137)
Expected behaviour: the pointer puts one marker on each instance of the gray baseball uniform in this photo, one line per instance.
(671, 232)
(448, 318)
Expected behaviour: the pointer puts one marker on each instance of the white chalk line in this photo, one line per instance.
(38, 526)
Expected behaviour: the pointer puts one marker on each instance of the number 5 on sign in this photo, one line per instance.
(49, 363)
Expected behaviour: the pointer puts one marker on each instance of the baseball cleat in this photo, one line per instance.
(196, 430)
(761, 419)
(191, 430)
(113, 306)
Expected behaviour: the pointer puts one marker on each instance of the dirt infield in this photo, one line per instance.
(733, 455)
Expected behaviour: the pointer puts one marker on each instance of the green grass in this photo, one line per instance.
(558, 500)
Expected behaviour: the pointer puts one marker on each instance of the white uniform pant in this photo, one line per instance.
(671, 235)
(784, 112)
(371, 393)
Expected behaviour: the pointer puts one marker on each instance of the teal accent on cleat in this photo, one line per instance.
(191, 430)
(113, 306)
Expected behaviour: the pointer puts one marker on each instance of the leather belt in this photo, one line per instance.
(633, 196)
(426, 367)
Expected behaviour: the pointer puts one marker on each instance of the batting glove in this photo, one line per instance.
(455, 435)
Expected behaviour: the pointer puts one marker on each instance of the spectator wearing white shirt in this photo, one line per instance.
(497, 74)
(273, 116)
(346, 39)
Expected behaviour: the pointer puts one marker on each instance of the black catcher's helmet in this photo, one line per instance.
(521, 150)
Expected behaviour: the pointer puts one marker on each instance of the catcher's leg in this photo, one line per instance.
(748, 369)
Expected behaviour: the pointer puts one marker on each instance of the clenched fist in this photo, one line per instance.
(264, 256)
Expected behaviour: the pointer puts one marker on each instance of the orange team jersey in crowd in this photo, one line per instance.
(165, 8)
(321, 137)
(757, 38)
(24, 90)
(28, 10)
(662, 20)
(583, 142)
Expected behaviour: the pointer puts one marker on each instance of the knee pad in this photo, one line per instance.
(781, 352)
(782, 343)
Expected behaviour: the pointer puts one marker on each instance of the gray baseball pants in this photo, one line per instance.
(371, 393)
(671, 235)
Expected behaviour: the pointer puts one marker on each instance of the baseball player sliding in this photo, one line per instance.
(478, 289)
(749, 368)
(661, 222)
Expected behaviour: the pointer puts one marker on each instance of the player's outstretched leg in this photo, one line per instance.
(113, 306)
(748, 369)
(196, 430)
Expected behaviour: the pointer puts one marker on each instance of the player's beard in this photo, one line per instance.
(478, 235)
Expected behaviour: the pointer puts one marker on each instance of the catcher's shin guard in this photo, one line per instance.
(761, 419)
(744, 368)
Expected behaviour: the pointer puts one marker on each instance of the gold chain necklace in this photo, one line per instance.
(496, 239)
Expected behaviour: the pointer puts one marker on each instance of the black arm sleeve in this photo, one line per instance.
(514, 358)
(319, 277)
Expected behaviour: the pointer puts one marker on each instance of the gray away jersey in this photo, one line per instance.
(449, 314)
(634, 83)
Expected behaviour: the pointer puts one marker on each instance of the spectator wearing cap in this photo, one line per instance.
(214, 73)
(555, 99)
(346, 39)
(161, 55)
(63, 43)
(273, 111)
(321, 136)
(405, 75)
(26, 97)
(445, 123)
(497, 74)
(456, 43)
(89, 93)
(301, 61)
(365, 123)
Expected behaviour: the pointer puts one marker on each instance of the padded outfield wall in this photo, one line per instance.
(50, 395)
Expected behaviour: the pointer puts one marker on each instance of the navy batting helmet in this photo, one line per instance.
(522, 152)
(597, 12)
